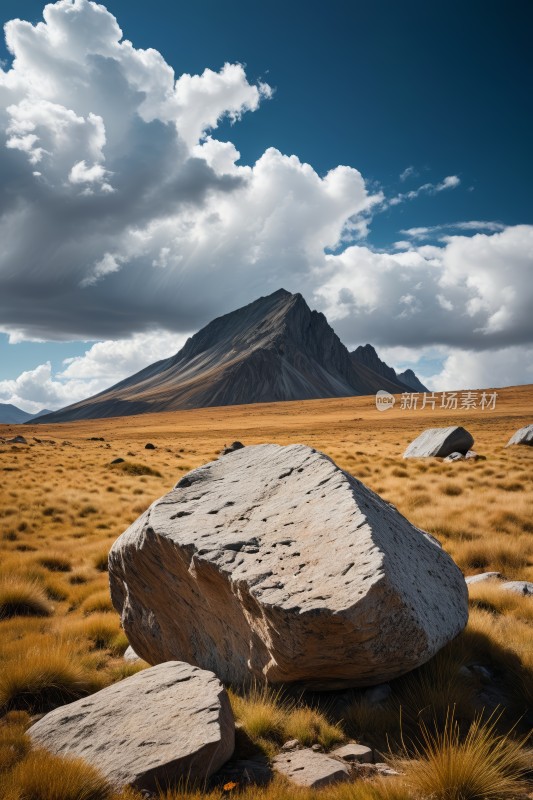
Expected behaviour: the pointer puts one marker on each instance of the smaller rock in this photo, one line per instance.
(354, 753)
(17, 440)
(149, 446)
(378, 694)
(386, 770)
(522, 436)
(306, 768)
(292, 744)
(232, 448)
(118, 461)
(472, 455)
(96, 439)
(518, 587)
(440, 442)
(131, 655)
(481, 671)
(456, 457)
(317, 748)
(483, 576)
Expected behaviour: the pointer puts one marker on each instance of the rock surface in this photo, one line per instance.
(518, 587)
(440, 442)
(483, 576)
(307, 768)
(522, 436)
(130, 654)
(354, 753)
(275, 564)
(168, 722)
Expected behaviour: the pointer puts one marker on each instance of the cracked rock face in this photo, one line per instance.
(169, 722)
(440, 442)
(274, 564)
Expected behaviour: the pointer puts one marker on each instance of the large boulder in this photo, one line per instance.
(522, 436)
(275, 564)
(440, 442)
(173, 721)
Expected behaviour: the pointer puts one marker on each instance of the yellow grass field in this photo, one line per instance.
(63, 504)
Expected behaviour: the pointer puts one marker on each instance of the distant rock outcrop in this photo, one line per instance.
(522, 436)
(273, 349)
(167, 723)
(440, 442)
(274, 564)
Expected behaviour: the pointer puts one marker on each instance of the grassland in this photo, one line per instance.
(63, 503)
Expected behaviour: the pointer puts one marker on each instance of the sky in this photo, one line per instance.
(162, 164)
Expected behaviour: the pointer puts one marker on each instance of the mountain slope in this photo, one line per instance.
(273, 349)
(11, 415)
(381, 376)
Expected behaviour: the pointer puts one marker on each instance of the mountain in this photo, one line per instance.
(273, 349)
(366, 356)
(11, 415)
(409, 378)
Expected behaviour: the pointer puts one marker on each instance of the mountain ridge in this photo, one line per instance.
(273, 349)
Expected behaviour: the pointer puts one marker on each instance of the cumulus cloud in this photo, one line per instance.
(104, 364)
(122, 212)
(470, 369)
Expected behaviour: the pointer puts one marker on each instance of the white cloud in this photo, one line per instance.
(471, 225)
(468, 369)
(104, 364)
(449, 182)
(409, 172)
(138, 218)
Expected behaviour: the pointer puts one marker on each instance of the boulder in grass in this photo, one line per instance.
(440, 442)
(168, 723)
(519, 587)
(522, 436)
(310, 769)
(275, 565)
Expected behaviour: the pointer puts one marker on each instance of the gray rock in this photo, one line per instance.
(16, 440)
(149, 446)
(307, 768)
(440, 442)
(378, 694)
(482, 577)
(117, 460)
(292, 744)
(522, 436)
(386, 770)
(276, 565)
(130, 654)
(171, 722)
(518, 587)
(354, 753)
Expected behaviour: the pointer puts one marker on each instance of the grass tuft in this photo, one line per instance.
(132, 468)
(43, 776)
(20, 597)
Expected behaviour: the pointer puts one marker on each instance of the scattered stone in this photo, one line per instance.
(17, 440)
(130, 654)
(317, 748)
(292, 744)
(385, 770)
(440, 442)
(378, 694)
(472, 455)
(170, 722)
(149, 446)
(232, 448)
(518, 587)
(96, 439)
(276, 565)
(354, 753)
(118, 461)
(522, 436)
(481, 671)
(483, 576)
(307, 768)
(35, 439)
(455, 457)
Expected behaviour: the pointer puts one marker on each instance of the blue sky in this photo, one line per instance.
(409, 94)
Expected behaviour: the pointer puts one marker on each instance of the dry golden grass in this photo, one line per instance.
(63, 504)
